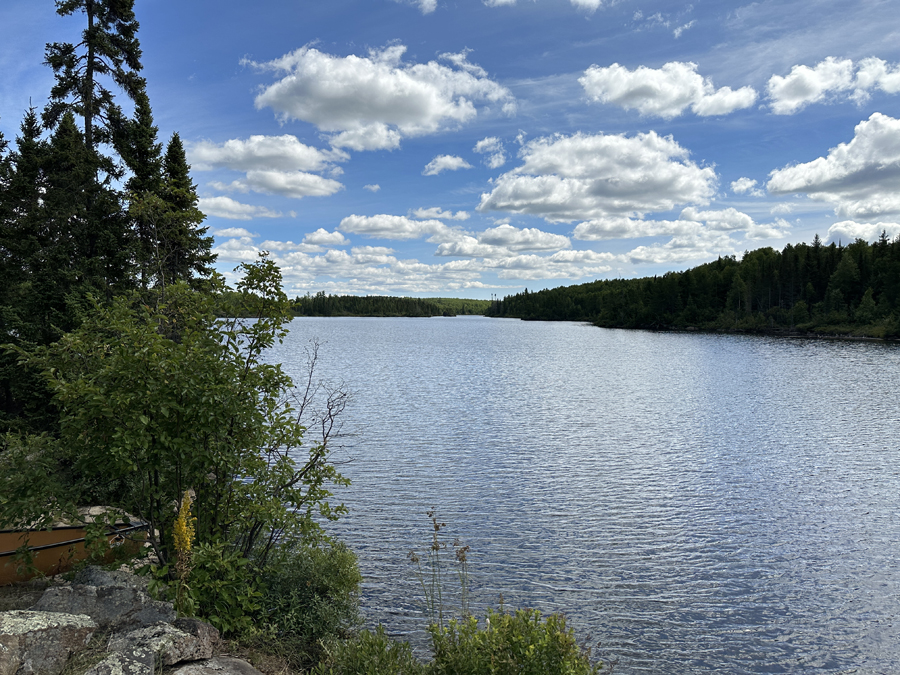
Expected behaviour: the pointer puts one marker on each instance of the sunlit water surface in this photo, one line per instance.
(694, 503)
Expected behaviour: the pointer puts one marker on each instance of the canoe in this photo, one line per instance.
(57, 550)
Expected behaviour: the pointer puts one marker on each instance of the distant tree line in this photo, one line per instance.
(321, 304)
(853, 289)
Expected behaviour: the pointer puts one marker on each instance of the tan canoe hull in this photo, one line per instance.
(57, 550)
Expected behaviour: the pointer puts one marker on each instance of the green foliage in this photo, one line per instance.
(224, 588)
(321, 304)
(370, 654)
(310, 599)
(852, 290)
(464, 306)
(156, 401)
(33, 489)
(108, 54)
(521, 643)
(66, 231)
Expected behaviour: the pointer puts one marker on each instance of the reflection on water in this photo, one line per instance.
(695, 503)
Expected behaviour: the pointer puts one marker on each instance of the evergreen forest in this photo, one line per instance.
(321, 304)
(804, 288)
(92, 203)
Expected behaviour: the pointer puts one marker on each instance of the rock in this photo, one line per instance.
(219, 665)
(97, 576)
(205, 632)
(168, 643)
(113, 607)
(120, 664)
(41, 642)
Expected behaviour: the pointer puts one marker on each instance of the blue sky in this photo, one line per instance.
(471, 147)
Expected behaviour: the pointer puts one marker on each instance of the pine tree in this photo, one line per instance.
(22, 228)
(139, 148)
(108, 54)
(109, 50)
(24, 400)
(142, 153)
(187, 249)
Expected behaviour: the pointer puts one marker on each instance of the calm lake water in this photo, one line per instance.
(694, 503)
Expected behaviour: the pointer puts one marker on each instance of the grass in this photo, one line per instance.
(90, 656)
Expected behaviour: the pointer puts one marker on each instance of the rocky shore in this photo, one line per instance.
(140, 636)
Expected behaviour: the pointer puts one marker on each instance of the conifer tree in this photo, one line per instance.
(187, 247)
(91, 225)
(109, 50)
(142, 153)
(139, 148)
(173, 241)
(24, 400)
(22, 229)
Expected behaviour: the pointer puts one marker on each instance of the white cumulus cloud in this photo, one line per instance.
(589, 5)
(527, 239)
(295, 184)
(440, 214)
(831, 80)
(386, 226)
(583, 177)
(493, 148)
(743, 186)
(805, 85)
(323, 237)
(665, 92)
(874, 73)
(726, 219)
(233, 232)
(622, 227)
(282, 153)
(372, 188)
(849, 231)
(371, 102)
(860, 178)
(445, 163)
(777, 230)
(226, 207)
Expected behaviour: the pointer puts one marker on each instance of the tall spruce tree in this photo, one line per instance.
(24, 399)
(24, 232)
(142, 153)
(172, 243)
(66, 230)
(187, 248)
(109, 50)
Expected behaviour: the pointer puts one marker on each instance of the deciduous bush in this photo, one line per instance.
(160, 399)
(310, 599)
(370, 654)
(520, 643)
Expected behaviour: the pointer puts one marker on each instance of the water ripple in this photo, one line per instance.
(697, 503)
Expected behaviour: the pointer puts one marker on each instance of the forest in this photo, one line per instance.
(321, 304)
(92, 204)
(804, 288)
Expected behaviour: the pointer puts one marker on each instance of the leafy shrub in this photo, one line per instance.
(156, 399)
(370, 654)
(310, 599)
(223, 589)
(509, 644)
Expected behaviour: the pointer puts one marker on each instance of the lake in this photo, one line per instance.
(694, 503)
